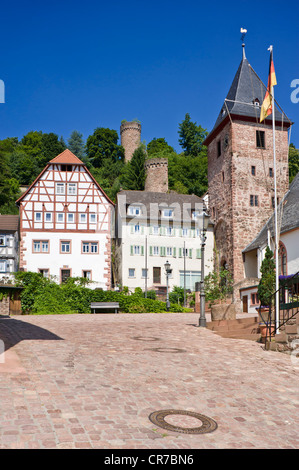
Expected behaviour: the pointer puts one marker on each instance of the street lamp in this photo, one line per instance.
(168, 271)
(205, 223)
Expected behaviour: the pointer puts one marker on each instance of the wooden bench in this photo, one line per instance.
(104, 306)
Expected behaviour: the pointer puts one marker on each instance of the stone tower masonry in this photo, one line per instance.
(130, 133)
(156, 175)
(240, 168)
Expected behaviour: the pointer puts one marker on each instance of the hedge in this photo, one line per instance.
(43, 296)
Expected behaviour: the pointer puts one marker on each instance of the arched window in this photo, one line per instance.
(282, 259)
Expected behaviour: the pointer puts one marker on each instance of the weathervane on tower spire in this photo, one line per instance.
(243, 32)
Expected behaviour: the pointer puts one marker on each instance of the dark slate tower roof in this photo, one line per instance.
(245, 98)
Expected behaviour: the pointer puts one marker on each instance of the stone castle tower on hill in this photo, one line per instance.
(240, 168)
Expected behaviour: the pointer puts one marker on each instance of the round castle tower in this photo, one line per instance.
(130, 133)
(156, 175)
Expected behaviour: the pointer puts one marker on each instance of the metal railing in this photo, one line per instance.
(288, 305)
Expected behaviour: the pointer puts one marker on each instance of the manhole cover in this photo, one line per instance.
(145, 338)
(167, 350)
(208, 424)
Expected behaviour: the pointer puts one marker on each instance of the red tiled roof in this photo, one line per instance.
(67, 158)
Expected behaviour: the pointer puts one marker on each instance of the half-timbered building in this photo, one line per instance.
(65, 223)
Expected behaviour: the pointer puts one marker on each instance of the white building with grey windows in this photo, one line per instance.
(154, 227)
(9, 245)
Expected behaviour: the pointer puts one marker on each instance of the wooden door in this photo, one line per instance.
(245, 303)
(15, 304)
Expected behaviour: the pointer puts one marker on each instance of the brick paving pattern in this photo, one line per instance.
(91, 381)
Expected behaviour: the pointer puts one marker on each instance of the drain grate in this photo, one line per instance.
(167, 350)
(208, 424)
(146, 338)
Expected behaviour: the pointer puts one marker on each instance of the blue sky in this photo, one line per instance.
(79, 65)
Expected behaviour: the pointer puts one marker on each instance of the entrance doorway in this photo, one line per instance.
(245, 303)
(65, 274)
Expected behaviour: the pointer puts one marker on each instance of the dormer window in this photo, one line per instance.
(134, 210)
(167, 213)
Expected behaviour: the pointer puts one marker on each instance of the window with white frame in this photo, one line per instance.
(136, 250)
(60, 188)
(155, 230)
(38, 216)
(44, 272)
(3, 266)
(48, 217)
(65, 246)
(60, 217)
(169, 251)
(137, 228)
(2, 240)
(184, 232)
(144, 273)
(40, 246)
(155, 250)
(72, 189)
(70, 218)
(169, 231)
(83, 218)
(92, 218)
(134, 210)
(90, 247)
(131, 272)
(168, 213)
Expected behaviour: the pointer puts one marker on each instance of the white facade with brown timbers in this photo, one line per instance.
(65, 223)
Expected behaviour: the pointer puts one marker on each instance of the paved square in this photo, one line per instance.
(91, 381)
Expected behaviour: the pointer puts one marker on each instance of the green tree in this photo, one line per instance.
(266, 287)
(159, 146)
(9, 187)
(102, 146)
(76, 144)
(191, 136)
(188, 175)
(293, 162)
(133, 176)
(51, 146)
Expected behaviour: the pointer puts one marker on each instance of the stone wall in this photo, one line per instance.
(130, 133)
(156, 175)
(231, 183)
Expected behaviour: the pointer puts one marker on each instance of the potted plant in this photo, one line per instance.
(218, 288)
(266, 289)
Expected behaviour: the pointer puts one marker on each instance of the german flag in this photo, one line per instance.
(266, 108)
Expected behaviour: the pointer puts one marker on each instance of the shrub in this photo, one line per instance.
(44, 296)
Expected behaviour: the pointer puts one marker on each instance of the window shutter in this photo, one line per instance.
(132, 229)
(174, 252)
(142, 229)
(151, 251)
(190, 253)
(151, 230)
(142, 250)
(131, 250)
(198, 253)
(180, 252)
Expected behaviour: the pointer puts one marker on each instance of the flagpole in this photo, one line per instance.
(275, 209)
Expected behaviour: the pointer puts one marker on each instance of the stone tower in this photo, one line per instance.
(240, 168)
(130, 133)
(156, 175)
